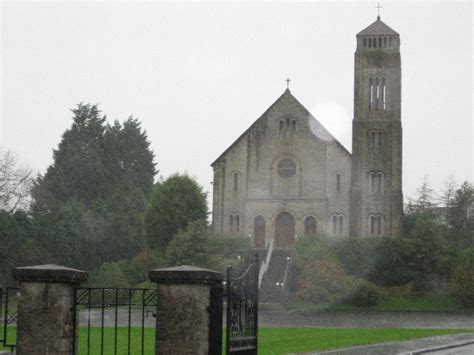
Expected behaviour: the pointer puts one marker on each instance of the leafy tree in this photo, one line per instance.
(432, 257)
(359, 255)
(462, 280)
(192, 247)
(395, 262)
(77, 172)
(110, 275)
(460, 217)
(174, 203)
(91, 199)
(20, 244)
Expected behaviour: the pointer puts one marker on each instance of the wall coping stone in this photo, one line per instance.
(49, 273)
(186, 274)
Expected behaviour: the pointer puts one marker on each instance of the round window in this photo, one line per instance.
(286, 168)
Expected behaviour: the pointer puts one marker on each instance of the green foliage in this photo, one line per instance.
(460, 217)
(174, 203)
(359, 255)
(323, 280)
(110, 275)
(191, 247)
(364, 294)
(142, 263)
(91, 200)
(462, 281)
(21, 244)
(228, 249)
(311, 247)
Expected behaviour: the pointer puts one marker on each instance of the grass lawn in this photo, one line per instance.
(271, 340)
(397, 303)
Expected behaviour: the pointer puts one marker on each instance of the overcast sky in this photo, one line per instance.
(198, 74)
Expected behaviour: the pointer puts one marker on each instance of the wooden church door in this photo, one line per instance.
(285, 230)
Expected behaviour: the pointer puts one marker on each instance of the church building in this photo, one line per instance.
(287, 176)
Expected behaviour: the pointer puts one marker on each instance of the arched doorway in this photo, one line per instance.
(259, 232)
(284, 230)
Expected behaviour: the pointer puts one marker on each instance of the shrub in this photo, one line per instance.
(364, 294)
(322, 281)
(395, 263)
(228, 249)
(191, 247)
(311, 247)
(110, 275)
(462, 280)
(358, 256)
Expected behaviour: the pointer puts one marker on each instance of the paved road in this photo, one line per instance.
(333, 318)
(365, 319)
(459, 344)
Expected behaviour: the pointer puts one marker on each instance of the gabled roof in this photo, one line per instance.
(316, 126)
(378, 28)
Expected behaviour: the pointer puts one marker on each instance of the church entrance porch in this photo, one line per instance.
(284, 230)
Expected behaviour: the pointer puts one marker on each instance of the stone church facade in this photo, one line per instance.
(287, 176)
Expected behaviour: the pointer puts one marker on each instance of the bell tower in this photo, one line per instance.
(376, 199)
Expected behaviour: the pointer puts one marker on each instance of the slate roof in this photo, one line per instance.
(316, 125)
(378, 28)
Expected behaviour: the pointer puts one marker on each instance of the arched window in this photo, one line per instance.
(293, 126)
(371, 94)
(259, 232)
(376, 181)
(377, 93)
(365, 42)
(337, 224)
(370, 42)
(384, 94)
(237, 224)
(280, 132)
(231, 223)
(380, 42)
(310, 225)
(375, 224)
(385, 41)
(375, 140)
(236, 182)
(389, 41)
(338, 182)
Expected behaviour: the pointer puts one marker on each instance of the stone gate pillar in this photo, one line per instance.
(189, 310)
(46, 309)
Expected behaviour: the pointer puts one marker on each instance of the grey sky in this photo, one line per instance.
(198, 74)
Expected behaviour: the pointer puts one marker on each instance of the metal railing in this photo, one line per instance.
(8, 314)
(114, 320)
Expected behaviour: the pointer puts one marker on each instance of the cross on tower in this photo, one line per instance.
(378, 10)
(288, 83)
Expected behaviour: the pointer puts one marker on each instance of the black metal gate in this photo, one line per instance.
(242, 308)
(114, 321)
(8, 315)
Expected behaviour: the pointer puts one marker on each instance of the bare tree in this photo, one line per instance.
(15, 182)
(449, 191)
